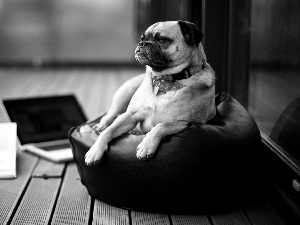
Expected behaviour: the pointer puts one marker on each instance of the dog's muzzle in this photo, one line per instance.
(148, 53)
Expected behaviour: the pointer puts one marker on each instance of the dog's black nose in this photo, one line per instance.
(141, 44)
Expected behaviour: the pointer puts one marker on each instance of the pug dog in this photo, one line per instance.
(177, 88)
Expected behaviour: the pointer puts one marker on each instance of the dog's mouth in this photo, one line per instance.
(150, 55)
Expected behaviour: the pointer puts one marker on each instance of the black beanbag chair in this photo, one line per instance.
(204, 168)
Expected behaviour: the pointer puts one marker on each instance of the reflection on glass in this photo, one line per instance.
(274, 86)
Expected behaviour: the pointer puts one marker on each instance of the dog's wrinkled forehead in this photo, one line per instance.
(168, 29)
(177, 30)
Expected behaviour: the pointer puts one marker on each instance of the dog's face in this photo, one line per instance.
(168, 44)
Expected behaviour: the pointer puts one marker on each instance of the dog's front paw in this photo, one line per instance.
(94, 155)
(147, 147)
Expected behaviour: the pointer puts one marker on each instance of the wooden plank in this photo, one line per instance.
(62, 82)
(139, 218)
(87, 92)
(73, 204)
(29, 80)
(38, 201)
(109, 215)
(263, 214)
(110, 81)
(42, 81)
(13, 81)
(10, 87)
(49, 83)
(234, 218)
(71, 81)
(190, 220)
(6, 81)
(22, 84)
(11, 190)
(94, 97)
(80, 86)
(114, 82)
(57, 81)
(104, 97)
(47, 169)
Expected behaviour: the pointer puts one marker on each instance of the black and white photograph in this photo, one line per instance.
(150, 112)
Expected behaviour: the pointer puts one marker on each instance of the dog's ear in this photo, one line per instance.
(190, 32)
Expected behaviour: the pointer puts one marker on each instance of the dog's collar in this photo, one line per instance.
(184, 74)
(165, 83)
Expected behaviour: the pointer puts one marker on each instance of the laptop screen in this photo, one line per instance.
(45, 118)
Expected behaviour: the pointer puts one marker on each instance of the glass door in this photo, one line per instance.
(274, 78)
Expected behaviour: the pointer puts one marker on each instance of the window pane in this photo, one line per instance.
(274, 87)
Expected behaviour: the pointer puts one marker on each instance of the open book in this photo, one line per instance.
(8, 150)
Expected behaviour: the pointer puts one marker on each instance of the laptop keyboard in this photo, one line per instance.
(56, 147)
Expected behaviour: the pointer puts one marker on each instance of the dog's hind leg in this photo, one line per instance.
(120, 101)
(148, 146)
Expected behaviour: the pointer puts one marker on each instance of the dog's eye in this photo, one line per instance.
(142, 37)
(159, 38)
(162, 39)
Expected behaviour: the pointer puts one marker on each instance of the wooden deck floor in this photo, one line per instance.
(49, 193)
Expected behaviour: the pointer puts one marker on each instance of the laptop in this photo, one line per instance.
(43, 124)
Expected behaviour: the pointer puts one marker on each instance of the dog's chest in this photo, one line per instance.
(179, 104)
(162, 85)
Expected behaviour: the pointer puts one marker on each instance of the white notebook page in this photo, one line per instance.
(8, 150)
